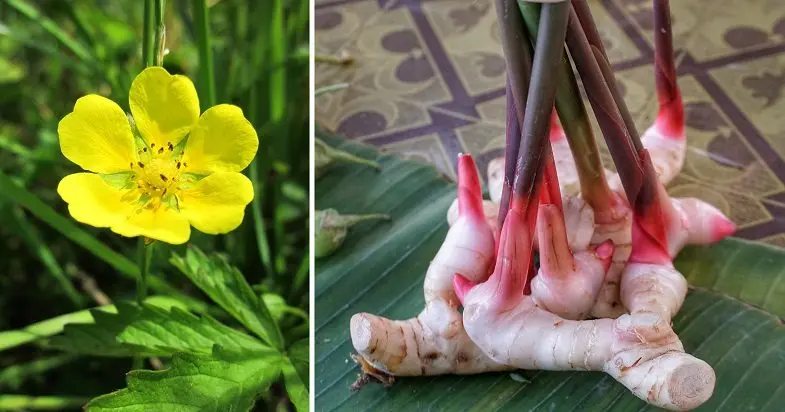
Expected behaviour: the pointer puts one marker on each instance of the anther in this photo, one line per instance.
(152, 145)
(161, 150)
(185, 164)
(132, 165)
(178, 165)
(140, 164)
(144, 149)
(163, 177)
(171, 148)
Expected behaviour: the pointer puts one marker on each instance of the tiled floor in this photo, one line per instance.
(428, 83)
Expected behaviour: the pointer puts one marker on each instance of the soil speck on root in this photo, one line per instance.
(367, 373)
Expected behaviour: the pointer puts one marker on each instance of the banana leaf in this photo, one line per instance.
(730, 319)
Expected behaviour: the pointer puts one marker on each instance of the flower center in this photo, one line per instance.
(158, 176)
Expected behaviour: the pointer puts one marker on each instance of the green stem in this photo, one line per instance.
(148, 35)
(159, 32)
(518, 55)
(575, 122)
(145, 255)
(548, 54)
(587, 62)
(204, 42)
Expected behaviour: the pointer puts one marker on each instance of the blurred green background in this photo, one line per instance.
(53, 52)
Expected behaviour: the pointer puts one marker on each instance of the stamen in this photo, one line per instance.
(161, 150)
(178, 164)
(140, 164)
(132, 165)
(144, 149)
(185, 164)
(163, 178)
(171, 148)
(152, 145)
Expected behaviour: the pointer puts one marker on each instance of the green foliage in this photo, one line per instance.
(219, 382)
(718, 322)
(151, 331)
(227, 287)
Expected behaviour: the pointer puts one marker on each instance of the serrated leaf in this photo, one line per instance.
(227, 287)
(381, 271)
(151, 331)
(220, 382)
(295, 374)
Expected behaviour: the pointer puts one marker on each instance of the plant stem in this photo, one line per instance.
(204, 42)
(671, 107)
(575, 122)
(159, 33)
(518, 54)
(144, 256)
(536, 122)
(589, 29)
(605, 109)
(148, 35)
(512, 139)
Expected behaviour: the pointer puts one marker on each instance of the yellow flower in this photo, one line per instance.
(166, 170)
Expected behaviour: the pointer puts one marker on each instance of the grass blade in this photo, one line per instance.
(47, 258)
(39, 403)
(52, 28)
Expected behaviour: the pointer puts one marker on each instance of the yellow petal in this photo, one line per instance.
(222, 141)
(163, 224)
(165, 107)
(216, 204)
(96, 135)
(92, 201)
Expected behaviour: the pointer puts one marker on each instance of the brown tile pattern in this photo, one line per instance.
(428, 83)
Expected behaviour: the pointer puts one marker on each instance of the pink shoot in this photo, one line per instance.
(469, 189)
(670, 118)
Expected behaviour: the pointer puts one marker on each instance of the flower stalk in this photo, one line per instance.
(575, 122)
(518, 55)
(534, 144)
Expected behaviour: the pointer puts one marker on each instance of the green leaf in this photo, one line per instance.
(151, 331)
(380, 270)
(295, 374)
(50, 327)
(227, 287)
(219, 382)
(748, 271)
